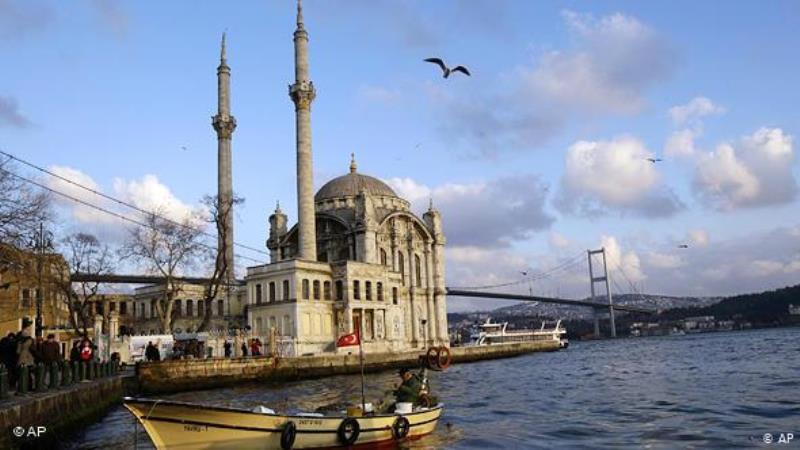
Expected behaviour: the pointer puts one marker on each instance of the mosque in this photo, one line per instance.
(357, 260)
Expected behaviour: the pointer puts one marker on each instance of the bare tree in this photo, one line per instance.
(166, 248)
(83, 253)
(22, 208)
(218, 282)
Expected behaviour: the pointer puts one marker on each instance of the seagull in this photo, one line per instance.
(183, 147)
(446, 71)
(683, 246)
(654, 160)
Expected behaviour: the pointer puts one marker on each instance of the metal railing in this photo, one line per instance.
(50, 377)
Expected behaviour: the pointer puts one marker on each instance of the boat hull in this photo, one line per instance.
(178, 425)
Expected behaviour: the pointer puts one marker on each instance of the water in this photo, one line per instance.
(717, 390)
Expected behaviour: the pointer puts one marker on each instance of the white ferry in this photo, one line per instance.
(489, 333)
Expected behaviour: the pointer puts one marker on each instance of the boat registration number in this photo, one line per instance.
(195, 428)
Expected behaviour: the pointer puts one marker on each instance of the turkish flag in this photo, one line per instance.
(347, 340)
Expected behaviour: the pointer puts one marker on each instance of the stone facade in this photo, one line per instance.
(364, 262)
(20, 285)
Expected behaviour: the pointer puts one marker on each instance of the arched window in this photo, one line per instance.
(286, 289)
(153, 310)
(380, 291)
(326, 290)
(259, 326)
(189, 308)
(305, 289)
(394, 295)
(316, 290)
(402, 266)
(418, 270)
(258, 294)
(176, 308)
(272, 291)
(368, 289)
(383, 257)
(356, 290)
(339, 290)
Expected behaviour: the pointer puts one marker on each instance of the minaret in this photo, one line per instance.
(302, 94)
(224, 124)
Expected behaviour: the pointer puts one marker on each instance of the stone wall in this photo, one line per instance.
(184, 375)
(60, 412)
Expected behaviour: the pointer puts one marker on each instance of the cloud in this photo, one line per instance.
(152, 195)
(665, 260)
(616, 59)
(681, 143)
(754, 172)
(619, 260)
(19, 18)
(614, 175)
(10, 115)
(696, 109)
(698, 237)
(148, 194)
(485, 214)
(558, 240)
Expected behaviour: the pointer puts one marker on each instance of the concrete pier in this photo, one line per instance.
(184, 375)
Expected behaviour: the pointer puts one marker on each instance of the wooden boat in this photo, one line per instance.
(179, 425)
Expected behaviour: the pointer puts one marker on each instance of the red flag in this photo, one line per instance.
(347, 340)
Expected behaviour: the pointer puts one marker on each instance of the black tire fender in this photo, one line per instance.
(400, 428)
(348, 431)
(288, 435)
(432, 357)
(444, 359)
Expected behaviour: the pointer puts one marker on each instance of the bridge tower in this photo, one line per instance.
(601, 279)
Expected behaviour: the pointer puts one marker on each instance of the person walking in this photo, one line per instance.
(244, 349)
(228, 349)
(50, 350)
(75, 353)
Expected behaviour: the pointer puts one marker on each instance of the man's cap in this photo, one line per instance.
(403, 370)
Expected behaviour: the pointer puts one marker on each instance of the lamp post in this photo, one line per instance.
(41, 242)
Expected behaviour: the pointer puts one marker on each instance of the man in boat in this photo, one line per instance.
(408, 391)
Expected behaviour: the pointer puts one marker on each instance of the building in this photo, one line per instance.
(357, 260)
(21, 284)
(187, 310)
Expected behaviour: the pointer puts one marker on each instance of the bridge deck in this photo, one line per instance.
(530, 298)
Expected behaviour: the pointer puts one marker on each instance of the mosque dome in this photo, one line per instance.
(351, 184)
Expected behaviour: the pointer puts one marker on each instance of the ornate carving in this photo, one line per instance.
(224, 126)
(302, 94)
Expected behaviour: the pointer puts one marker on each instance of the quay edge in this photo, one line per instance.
(191, 374)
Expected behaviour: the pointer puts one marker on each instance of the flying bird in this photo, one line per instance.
(654, 160)
(183, 147)
(446, 71)
(683, 246)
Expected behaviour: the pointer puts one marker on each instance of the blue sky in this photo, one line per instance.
(110, 92)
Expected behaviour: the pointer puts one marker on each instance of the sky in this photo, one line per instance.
(538, 156)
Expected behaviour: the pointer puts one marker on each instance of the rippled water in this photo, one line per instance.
(719, 390)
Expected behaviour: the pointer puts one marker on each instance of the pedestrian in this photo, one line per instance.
(86, 351)
(75, 353)
(228, 349)
(36, 350)
(50, 350)
(8, 352)
(244, 349)
(151, 353)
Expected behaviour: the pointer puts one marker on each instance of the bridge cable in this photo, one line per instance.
(106, 211)
(121, 202)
